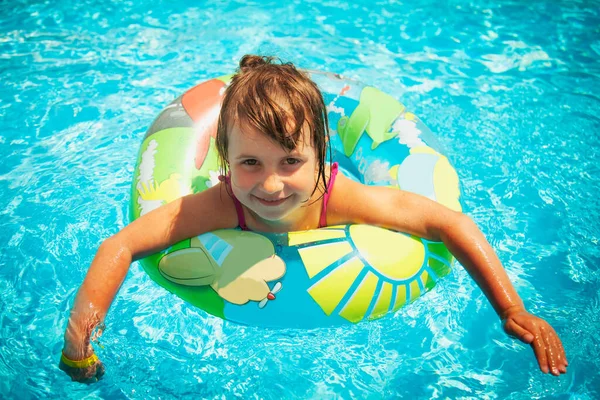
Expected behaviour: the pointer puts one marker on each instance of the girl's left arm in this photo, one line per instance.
(417, 215)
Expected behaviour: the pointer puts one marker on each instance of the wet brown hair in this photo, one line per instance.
(278, 100)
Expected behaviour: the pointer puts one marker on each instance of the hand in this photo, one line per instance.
(540, 335)
(88, 374)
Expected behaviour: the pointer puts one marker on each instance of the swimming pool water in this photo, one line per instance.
(510, 87)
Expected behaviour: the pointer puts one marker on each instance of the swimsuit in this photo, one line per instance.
(240, 211)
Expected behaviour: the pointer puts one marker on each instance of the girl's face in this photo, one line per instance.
(270, 181)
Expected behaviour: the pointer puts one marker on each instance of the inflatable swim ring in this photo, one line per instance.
(324, 277)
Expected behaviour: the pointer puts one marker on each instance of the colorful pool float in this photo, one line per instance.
(324, 277)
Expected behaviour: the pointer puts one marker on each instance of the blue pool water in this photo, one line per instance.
(510, 87)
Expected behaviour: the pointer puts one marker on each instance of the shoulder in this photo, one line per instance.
(352, 202)
(346, 200)
(192, 215)
(180, 219)
(210, 210)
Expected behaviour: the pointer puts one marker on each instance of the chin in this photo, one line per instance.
(273, 216)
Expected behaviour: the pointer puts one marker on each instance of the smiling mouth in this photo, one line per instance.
(271, 203)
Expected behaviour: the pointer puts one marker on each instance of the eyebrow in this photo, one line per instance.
(293, 153)
(245, 156)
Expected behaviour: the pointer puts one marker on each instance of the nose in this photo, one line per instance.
(272, 183)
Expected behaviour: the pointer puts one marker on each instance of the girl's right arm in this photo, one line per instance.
(417, 215)
(183, 218)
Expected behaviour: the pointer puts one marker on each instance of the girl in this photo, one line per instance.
(272, 140)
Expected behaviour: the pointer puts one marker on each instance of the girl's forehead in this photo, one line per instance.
(243, 139)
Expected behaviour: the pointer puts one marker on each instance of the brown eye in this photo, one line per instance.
(250, 162)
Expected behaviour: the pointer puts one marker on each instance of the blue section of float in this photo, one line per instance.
(415, 174)
(292, 307)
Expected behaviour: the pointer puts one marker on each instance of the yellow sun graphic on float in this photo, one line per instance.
(362, 271)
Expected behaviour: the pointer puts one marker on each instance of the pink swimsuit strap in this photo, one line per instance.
(332, 175)
(238, 206)
(240, 211)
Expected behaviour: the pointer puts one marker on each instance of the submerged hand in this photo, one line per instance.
(84, 374)
(540, 335)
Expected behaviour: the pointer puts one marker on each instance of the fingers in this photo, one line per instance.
(556, 351)
(539, 348)
(546, 345)
(558, 361)
(561, 350)
(90, 380)
(549, 351)
(91, 374)
(563, 354)
(561, 357)
(99, 370)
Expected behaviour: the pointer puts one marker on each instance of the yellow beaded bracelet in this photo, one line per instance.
(86, 362)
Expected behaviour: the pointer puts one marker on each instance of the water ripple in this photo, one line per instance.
(510, 89)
